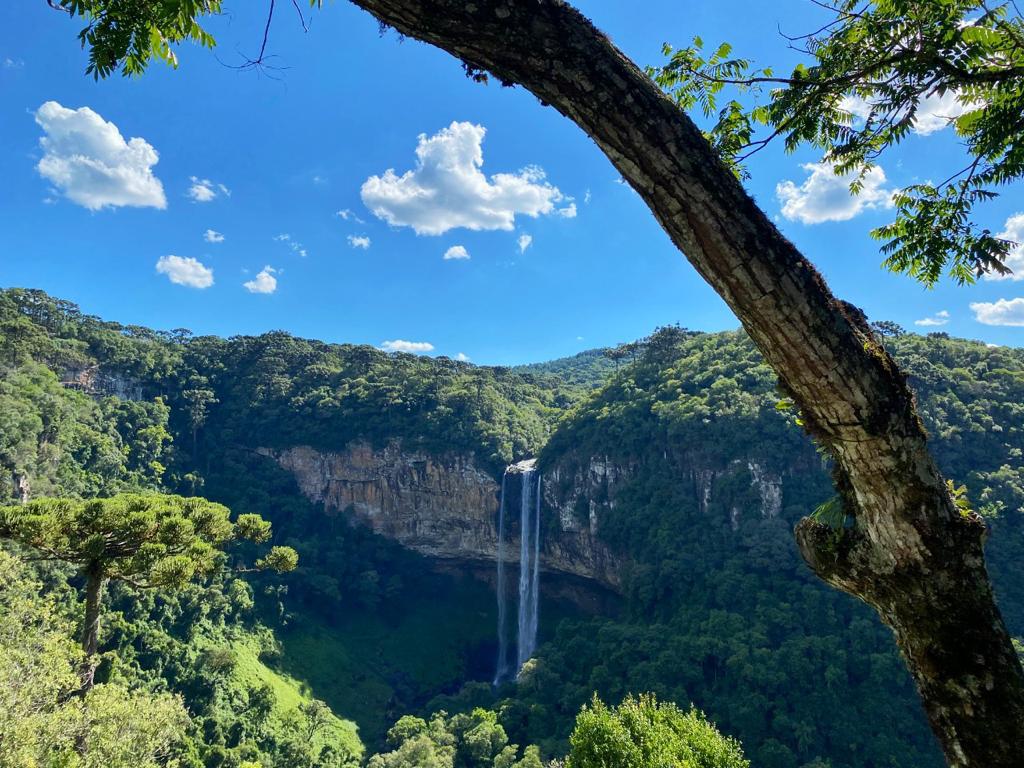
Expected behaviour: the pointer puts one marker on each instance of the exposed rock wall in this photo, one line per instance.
(444, 507)
(94, 381)
(583, 490)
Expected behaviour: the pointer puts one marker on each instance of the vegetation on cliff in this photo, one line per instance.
(719, 610)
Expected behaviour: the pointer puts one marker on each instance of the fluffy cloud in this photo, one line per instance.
(448, 189)
(524, 242)
(204, 190)
(213, 236)
(456, 252)
(1001, 312)
(88, 160)
(359, 241)
(462, 357)
(185, 271)
(939, 318)
(401, 345)
(1013, 229)
(823, 196)
(264, 282)
(934, 112)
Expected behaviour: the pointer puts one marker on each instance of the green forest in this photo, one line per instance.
(703, 512)
(290, 637)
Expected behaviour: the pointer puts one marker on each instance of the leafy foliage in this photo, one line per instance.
(645, 733)
(870, 69)
(718, 608)
(125, 35)
(151, 540)
(473, 740)
(40, 723)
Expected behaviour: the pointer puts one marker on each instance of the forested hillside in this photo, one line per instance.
(717, 607)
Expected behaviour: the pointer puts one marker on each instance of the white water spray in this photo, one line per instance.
(529, 570)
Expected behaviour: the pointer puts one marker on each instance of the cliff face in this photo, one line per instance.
(446, 508)
(94, 381)
(443, 507)
(582, 490)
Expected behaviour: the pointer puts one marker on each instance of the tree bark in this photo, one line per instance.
(91, 628)
(911, 555)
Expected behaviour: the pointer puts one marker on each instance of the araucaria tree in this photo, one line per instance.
(912, 552)
(146, 540)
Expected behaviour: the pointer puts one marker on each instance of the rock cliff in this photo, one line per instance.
(582, 490)
(442, 506)
(446, 508)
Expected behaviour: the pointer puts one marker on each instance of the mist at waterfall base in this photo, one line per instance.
(529, 570)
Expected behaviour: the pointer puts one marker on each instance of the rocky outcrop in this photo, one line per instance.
(446, 507)
(22, 487)
(769, 488)
(442, 506)
(96, 382)
(583, 490)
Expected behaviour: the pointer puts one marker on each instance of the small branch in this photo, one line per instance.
(302, 19)
(266, 33)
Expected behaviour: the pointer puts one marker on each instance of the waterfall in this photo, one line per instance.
(501, 668)
(529, 569)
(534, 604)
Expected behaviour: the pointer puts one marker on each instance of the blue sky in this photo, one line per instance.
(255, 159)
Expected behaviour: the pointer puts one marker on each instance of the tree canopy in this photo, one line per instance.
(642, 732)
(147, 540)
(869, 73)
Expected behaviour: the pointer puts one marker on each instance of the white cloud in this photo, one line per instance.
(524, 242)
(456, 252)
(401, 345)
(264, 282)
(569, 212)
(447, 189)
(359, 241)
(1000, 312)
(587, 198)
(462, 357)
(185, 271)
(1013, 229)
(823, 196)
(934, 112)
(296, 247)
(204, 190)
(346, 214)
(939, 318)
(213, 236)
(10, 63)
(87, 159)
(319, 180)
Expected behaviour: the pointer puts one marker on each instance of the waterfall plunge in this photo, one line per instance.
(529, 569)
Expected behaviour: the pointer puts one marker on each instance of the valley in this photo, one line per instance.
(665, 562)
